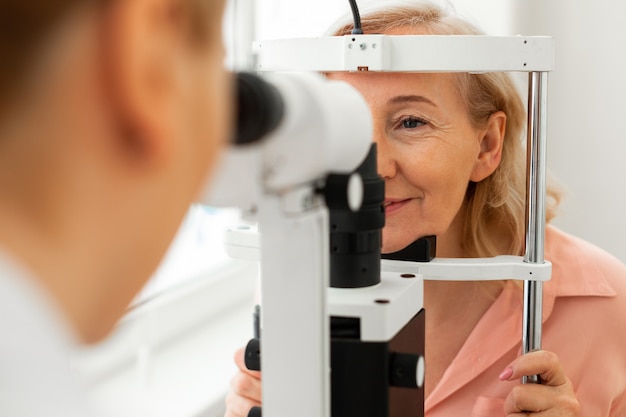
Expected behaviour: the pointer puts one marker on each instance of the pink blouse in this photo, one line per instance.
(584, 323)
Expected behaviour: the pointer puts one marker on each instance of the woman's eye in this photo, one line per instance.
(412, 123)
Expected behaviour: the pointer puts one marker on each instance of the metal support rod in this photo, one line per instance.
(535, 210)
(242, 34)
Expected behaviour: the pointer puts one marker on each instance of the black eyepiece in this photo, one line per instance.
(260, 108)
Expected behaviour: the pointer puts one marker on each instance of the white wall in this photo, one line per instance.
(289, 18)
(586, 112)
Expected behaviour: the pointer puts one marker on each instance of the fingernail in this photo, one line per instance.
(506, 374)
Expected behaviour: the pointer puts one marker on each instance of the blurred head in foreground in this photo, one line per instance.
(112, 113)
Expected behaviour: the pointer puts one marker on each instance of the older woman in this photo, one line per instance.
(449, 150)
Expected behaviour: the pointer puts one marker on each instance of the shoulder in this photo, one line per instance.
(587, 299)
(582, 268)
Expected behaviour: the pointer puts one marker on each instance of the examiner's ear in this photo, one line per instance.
(142, 51)
(491, 143)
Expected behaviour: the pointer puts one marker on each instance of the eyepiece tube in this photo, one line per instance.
(260, 108)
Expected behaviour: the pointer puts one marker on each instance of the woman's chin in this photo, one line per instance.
(391, 247)
(396, 238)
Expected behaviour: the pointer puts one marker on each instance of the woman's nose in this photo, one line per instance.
(387, 167)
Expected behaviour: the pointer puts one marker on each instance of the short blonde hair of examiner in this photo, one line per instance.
(495, 207)
(26, 25)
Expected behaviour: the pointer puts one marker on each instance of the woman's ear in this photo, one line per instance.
(141, 56)
(491, 143)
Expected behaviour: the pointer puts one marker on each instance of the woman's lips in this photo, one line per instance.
(393, 206)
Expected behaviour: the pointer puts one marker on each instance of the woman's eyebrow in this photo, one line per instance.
(411, 99)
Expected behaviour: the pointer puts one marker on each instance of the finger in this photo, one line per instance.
(541, 400)
(240, 362)
(247, 386)
(543, 363)
(238, 406)
(532, 398)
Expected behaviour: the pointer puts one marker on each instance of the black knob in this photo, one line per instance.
(252, 356)
(406, 370)
(255, 412)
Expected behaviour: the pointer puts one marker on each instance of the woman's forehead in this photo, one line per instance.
(385, 84)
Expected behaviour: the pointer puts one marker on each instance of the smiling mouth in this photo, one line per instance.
(394, 201)
(391, 206)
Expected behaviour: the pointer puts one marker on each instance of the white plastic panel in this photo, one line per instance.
(419, 53)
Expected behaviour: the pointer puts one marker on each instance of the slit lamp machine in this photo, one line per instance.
(341, 329)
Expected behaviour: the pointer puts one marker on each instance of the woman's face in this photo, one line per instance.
(427, 150)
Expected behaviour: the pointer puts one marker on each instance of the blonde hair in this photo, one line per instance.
(494, 209)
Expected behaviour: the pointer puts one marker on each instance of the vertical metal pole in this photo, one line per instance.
(243, 34)
(535, 211)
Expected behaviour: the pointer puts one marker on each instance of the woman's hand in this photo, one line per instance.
(554, 397)
(245, 389)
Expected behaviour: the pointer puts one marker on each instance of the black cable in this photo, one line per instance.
(357, 18)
